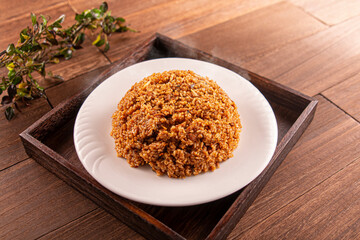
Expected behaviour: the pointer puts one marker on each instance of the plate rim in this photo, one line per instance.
(151, 201)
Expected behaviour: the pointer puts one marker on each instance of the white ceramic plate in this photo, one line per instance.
(96, 148)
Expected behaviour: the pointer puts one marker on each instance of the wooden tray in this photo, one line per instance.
(215, 220)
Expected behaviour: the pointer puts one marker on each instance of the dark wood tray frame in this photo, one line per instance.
(294, 112)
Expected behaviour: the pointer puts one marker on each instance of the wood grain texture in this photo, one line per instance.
(13, 10)
(346, 95)
(42, 138)
(211, 13)
(313, 64)
(332, 204)
(330, 11)
(34, 202)
(10, 30)
(329, 144)
(254, 34)
(178, 18)
(78, 177)
(118, 8)
(11, 148)
(97, 224)
(67, 89)
(315, 192)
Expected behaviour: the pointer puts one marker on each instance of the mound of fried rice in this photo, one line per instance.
(178, 122)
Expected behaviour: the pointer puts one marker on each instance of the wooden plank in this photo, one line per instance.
(117, 8)
(11, 10)
(34, 202)
(179, 18)
(211, 13)
(347, 96)
(10, 29)
(328, 211)
(62, 160)
(316, 63)
(11, 148)
(64, 91)
(330, 137)
(97, 224)
(330, 11)
(252, 35)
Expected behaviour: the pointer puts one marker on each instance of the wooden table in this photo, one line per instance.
(311, 46)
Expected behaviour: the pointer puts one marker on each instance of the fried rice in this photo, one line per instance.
(178, 122)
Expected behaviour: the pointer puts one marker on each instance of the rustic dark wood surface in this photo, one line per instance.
(215, 220)
(310, 45)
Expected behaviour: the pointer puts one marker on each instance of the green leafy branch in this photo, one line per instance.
(46, 43)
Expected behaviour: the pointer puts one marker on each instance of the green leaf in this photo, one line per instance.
(55, 60)
(11, 75)
(122, 29)
(106, 29)
(25, 47)
(44, 19)
(18, 51)
(120, 19)
(97, 13)
(10, 49)
(38, 86)
(18, 59)
(17, 79)
(33, 19)
(11, 91)
(22, 92)
(5, 100)
(25, 36)
(42, 69)
(107, 47)
(53, 41)
(100, 43)
(88, 14)
(79, 17)
(60, 19)
(22, 34)
(29, 62)
(92, 26)
(10, 66)
(98, 38)
(9, 113)
(80, 39)
(104, 7)
(57, 23)
(68, 54)
(111, 19)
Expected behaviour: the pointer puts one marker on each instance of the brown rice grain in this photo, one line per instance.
(179, 123)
